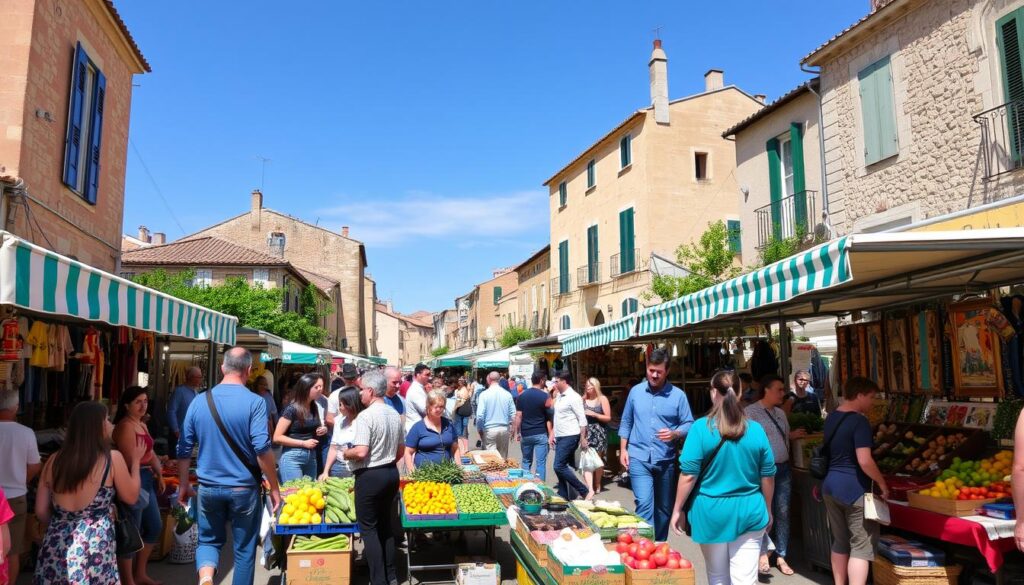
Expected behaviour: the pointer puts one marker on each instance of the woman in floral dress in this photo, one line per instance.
(75, 501)
(599, 414)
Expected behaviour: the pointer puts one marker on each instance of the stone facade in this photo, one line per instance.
(312, 248)
(489, 324)
(945, 70)
(369, 314)
(388, 336)
(534, 300)
(446, 329)
(37, 47)
(416, 339)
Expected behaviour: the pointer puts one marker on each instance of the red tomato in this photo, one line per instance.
(659, 558)
(672, 564)
(632, 549)
(664, 548)
(643, 554)
(650, 547)
(625, 537)
(621, 547)
(630, 562)
(624, 557)
(685, 564)
(674, 555)
(644, 565)
(643, 542)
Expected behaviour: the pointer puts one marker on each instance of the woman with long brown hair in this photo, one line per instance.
(75, 501)
(299, 429)
(728, 461)
(599, 414)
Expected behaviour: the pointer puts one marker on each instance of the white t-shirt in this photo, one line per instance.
(342, 436)
(332, 403)
(19, 449)
(415, 404)
(569, 414)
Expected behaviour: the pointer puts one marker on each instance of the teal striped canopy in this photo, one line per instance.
(819, 268)
(37, 279)
(599, 335)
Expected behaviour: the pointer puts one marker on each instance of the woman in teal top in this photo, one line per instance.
(730, 511)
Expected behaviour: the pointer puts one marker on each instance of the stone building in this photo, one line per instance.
(651, 183)
(313, 248)
(446, 329)
(65, 103)
(921, 102)
(778, 168)
(388, 334)
(534, 274)
(404, 340)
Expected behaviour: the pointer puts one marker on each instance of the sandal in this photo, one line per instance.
(765, 566)
(784, 567)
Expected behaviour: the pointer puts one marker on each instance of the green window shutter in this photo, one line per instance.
(630, 306)
(1009, 32)
(627, 245)
(591, 178)
(563, 194)
(563, 267)
(592, 254)
(878, 111)
(625, 154)
(497, 294)
(735, 241)
(796, 145)
(775, 185)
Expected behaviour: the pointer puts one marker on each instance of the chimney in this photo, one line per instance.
(159, 238)
(255, 208)
(658, 67)
(344, 231)
(760, 97)
(714, 79)
(143, 234)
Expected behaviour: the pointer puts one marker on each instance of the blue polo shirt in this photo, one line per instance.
(535, 404)
(648, 412)
(396, 402)
(431, 446)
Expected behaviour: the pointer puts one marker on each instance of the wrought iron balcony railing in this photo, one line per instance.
(786, 218)
(1002, 139)
(626, 264)
(588, 274)
(561, 286)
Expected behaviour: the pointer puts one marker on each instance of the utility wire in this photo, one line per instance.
(156, 187)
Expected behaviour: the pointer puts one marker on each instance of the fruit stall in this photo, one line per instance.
(316, 527)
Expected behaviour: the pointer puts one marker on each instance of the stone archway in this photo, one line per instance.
(599, 318)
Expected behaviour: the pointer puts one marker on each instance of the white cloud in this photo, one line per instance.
(419, 216)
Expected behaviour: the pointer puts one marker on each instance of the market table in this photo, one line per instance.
(486, 525)
(952, 529)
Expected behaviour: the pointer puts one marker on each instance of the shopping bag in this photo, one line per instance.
(588, 459)
(185, 543)
(876, 510)
(266, 534)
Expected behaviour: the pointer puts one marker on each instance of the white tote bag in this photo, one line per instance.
(876, 510)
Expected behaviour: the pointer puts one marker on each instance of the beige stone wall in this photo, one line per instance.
(37, 46)
(388, 333)
(312, 248)
(945, 67)
(369, 314)
(534, 294)
(488, 318)
(508, 312)
(752, 166)
(416, 343)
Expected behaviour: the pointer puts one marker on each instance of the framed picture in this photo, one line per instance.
(926, 339)
(856, 350)
(842, 362)
(899, 359)
(977, 369)
(874, 354)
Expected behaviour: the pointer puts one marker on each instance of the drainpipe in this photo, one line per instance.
(821, 150)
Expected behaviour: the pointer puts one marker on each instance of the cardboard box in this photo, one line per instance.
(585, 575)
(477, 573)
(319, 567)
(539, 551)
(660, 576)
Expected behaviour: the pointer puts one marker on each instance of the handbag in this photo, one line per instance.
(875, 508)
(818, 465)
(588, 459)
(127, 538)
(688, 504)
(465, 410)
(255, 471)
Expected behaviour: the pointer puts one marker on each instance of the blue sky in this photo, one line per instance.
(428, 127)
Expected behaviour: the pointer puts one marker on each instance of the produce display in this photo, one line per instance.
(645, 555)
(935, 450)
(303, 507)
(587, 551)
(990, 474)
(316, 543)
(429, 498)
(340, 504)
(447, 472)
(810, 422)
(476, 498)
(314, 502)
(499, 465)
(609, 515)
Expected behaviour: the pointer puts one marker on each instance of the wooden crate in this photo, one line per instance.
(569, 575)
(539, 551)
(947, 507)
(660, 576)
(886, 573)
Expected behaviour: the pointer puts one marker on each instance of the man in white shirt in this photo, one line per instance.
(349, 379)
(416, 396)
(570, 425)
(19, 463)
(495, 412)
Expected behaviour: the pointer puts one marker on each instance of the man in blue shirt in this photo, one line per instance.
(654, 423)
(495, 412)
(229, 480)
(180, 399)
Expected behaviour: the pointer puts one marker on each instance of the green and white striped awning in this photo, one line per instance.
(819, 268)
(37, 279)
(599, 335)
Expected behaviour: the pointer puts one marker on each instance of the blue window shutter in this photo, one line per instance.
(878, 111)
(629, 306)
(73, 142)
(735, 240)
(95, 137)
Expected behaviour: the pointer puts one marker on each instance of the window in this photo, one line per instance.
(593, 269)
(735, 236)
(878, 111)
(204, 277)
(630, 306)
(625, 152)
(700, 166)
(276, 241)
(497, 294)
(1011, 59)
(786, 160)
(261, 276)
(566, 322)
(127, 275)
(627, 245)
(563, 267)
(563, 194)
(591, 174)
(85, 127)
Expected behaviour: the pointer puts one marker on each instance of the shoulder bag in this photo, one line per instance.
(465, 409)
(255, 471)
(688, 504)
(820, 455)
(127, 538)
(785, 437)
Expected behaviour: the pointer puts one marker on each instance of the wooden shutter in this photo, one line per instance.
(74, 140)
(92, 182)
(563, 194)
(630, 306)
(497, 294)
(627, 246)
(775, 186)
(625, 156)
(735, 241)
(878, 111)
(591, 179)
(592, 254)
(1009, 32)
(796, 151)
(563, 267)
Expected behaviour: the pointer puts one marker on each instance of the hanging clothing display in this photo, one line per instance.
(39, 339)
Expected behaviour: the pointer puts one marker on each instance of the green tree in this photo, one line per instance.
(709, 261)
(439, 351)
(513, 335)
(255, 306)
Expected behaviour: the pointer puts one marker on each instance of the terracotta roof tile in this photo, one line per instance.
(200, 251)
(127, 35)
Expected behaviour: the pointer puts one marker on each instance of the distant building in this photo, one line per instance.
(446, 329)
(534, 275)
(403, 339)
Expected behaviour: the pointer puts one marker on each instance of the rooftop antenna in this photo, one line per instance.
(657, 31)
(263, 169)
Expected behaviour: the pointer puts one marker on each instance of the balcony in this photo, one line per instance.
(627, 264)
(1002, 139)
(561, 286)
(786, 218)
(588, 274)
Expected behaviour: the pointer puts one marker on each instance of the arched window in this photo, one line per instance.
(565, 322)
(630, 306)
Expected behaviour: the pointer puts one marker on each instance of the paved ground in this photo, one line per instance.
(473, 544)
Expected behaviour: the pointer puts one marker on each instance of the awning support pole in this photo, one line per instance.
(784, 342)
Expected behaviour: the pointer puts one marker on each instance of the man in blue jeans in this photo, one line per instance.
(533, 425)
(229, 483)
(654, 423)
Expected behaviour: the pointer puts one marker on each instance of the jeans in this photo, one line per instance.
(461, 426)
(296, 462)
(241, 506)
(780, 510)
(148, 519)
(536, 446)
(654, 489)
(565, 450)
(375, 492)
(733, 563)
(496, 439)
